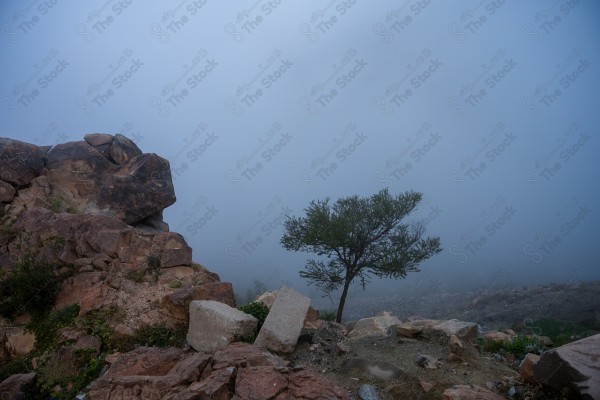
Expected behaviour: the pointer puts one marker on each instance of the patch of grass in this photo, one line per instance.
(519, 346)
(136, 275)
(327, 315)
(176, 284)
(561, 332)
(152, 269)
(71, 371)
(98, 322)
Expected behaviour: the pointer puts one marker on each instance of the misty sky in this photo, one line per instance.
(489, 108)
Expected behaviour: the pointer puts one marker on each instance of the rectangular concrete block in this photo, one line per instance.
(284, 323)
(213, 325)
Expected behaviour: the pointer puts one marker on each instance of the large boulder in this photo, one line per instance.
(283, 325)
(461, 329)
(380, 325)
(20, 162)
(575, 365)
(214, 325)
(131, 190)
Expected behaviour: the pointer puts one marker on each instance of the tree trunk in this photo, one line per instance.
(342, 303)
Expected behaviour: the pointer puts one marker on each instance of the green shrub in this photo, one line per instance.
(97, 323)
(561, 332)
(176, 284)
(160, 335)
(519, 346)
(327, 315)
(71, 372)
(46, 329)
(30, 287)
(258, 310)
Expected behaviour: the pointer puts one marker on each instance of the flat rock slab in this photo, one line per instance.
(213, 325)
(284, 323)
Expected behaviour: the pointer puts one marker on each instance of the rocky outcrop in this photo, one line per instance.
(238, 371)
(93, 209)
(575, 366)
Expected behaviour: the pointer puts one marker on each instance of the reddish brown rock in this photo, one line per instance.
(20, 162)
(264, 382)
(178, 302)
(7, 192)
(246, 355)
(307, 384)
(497, 336)
(219, 385)
(149, 373)
(526, 367)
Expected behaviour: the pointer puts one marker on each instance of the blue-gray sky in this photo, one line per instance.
(489, 108)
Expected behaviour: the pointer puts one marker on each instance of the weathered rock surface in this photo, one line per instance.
(214, 325)
(106, 178)
(238, 371)
(461, 329)
(148, 372)
(13, 386)
(575, 365)
(380, 325)
(469, 392)
(283, 325)
(20, 162)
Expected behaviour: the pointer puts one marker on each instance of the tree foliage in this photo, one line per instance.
(358, 238)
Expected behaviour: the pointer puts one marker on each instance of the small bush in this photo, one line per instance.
(176, 284)
(160, 335)
(46, 330)
(258, 310)
(98, 322)
(31, 287)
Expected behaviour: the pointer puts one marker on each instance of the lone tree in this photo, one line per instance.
(359, 237)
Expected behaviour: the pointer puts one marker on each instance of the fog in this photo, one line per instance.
(488, 108)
